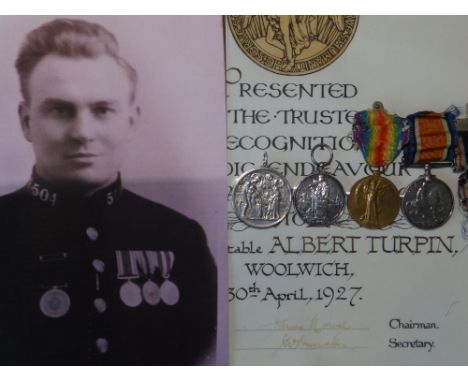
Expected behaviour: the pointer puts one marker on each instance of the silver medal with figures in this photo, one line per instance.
(151, 293)
(130, 294)
(169, 293)
(262, 197)
(427, 202)
(54, 303)
(320, 198)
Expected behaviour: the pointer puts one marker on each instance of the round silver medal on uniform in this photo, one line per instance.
(320, 198)
(151, 293)
(54, 303)
(169, 293)
(427, 202)
(262, 197)
(130, 294)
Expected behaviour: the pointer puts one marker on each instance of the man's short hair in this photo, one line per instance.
(68, 38)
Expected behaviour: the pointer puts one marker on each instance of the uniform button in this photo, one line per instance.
(100, 305)
(102, 345)
(98, 265)
(92, 233)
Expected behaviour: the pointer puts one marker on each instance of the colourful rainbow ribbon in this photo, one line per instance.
(380, 136)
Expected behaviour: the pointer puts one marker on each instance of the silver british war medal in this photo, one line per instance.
(169, 291)
(130, 293)
(261, 197)
(320, 198)
(427, 202)
(54, 303)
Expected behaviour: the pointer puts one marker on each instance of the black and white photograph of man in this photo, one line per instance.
(91, 272)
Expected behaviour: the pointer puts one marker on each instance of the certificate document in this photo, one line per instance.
(335, 292)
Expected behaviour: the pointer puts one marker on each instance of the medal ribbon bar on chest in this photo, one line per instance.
(133, 264)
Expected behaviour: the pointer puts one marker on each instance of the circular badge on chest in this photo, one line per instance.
(54, 303)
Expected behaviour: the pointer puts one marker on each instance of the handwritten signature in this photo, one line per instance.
(314, 324)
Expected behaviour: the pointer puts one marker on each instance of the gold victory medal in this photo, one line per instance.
(374, 202)
(293, 45)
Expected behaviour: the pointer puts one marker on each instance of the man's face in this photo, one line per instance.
(78, 119)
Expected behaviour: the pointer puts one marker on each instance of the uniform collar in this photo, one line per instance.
(48, 194)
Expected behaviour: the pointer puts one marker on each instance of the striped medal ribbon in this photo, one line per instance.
(380, 136)
(137, 264)
(432, 138)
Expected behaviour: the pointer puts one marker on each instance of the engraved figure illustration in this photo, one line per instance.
(254, 197)
(273, 200)
(372, 193)
(374, 202)
(293, 44)
(244, 202)
(320, 200)
(428, 204)
(262, 198)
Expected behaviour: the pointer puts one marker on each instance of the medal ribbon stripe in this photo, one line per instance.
(463, 192)
(120, 267)
(130, 263)
(461, 159)
(167, 261)
(140, 261)
(126, 265)
(433, 138)
(152, 258)
(460, 154)
(380, 136)
(160, 261)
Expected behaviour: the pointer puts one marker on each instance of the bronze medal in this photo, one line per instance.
(374, 202)
(151, 293)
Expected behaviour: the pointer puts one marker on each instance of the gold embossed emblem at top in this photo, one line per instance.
(293, 45)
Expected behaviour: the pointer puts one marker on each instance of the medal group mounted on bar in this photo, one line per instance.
(262, 197)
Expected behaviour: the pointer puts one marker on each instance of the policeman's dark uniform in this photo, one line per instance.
(64, 262)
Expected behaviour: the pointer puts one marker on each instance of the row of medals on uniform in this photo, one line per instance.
(262, 197)
(55, 301)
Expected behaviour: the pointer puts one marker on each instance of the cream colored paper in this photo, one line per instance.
(398, 293)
